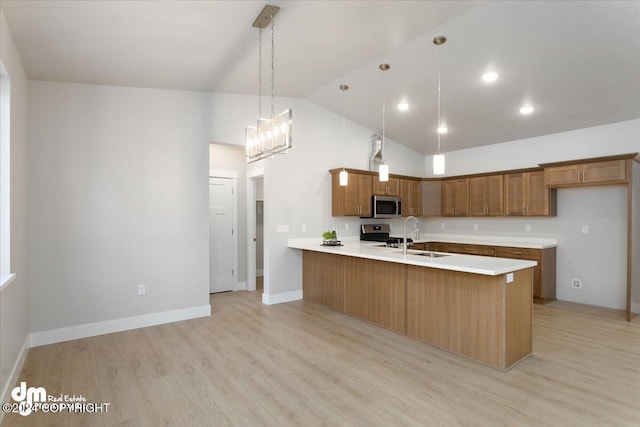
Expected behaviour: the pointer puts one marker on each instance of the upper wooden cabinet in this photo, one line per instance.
(486, 195)
(355, 198)
(455, 197)
(431, 198)
(411, 196)
(386, 188)
(585, 174)
(526, 195)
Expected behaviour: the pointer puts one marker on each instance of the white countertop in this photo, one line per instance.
(514, 242)
(490, 266)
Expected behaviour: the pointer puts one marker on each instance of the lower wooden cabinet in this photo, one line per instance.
(544, 274)
(376, 292)
(458, 248)
(323, 279)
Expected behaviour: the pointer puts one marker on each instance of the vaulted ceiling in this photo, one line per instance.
(577, 63)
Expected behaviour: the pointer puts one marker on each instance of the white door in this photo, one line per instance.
(220, 234)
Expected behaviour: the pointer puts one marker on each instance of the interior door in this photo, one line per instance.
(220, 234)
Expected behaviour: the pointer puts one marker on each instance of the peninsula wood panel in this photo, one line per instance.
(375, 291)
(323, 278)
(461, 312)
(518, 317)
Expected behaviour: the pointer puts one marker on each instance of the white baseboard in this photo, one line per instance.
(270, 299)
(117, 325)
(259, 273)
(15, 373)
(241, 286)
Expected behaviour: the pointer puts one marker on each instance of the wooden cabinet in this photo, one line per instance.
(436, 247)
(411, 196)
(323, 279)
(386, 188)
(526, 195)
(486, 195)
(585, 174)
(375, 292)
(459, 248)
(455, 197)
(431, 198)
(355, 198)
(544, 274)
(420, 246)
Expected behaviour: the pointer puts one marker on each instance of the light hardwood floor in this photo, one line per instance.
(300, 364)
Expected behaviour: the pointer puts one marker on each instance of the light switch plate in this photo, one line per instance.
(585, 229)
(475, 227)
(527, 228)
(304, 228)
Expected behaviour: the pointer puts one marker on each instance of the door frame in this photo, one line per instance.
(233, 175)
(252, 175)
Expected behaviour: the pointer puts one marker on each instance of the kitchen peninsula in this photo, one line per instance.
(477, 306)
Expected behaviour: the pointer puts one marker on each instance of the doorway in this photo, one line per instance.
(257, 268)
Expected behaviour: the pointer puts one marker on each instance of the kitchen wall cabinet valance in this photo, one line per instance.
(486, 195)
(355, 198)
(411, 196)
(386, 188)
(526, 195)
(455, 197)
(589, 172)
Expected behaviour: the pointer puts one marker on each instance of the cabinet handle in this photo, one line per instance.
(524, 210)
(516, 253)
(468, 249)
(584, 176)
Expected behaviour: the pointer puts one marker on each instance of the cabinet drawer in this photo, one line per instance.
(471, 249)
(436, 247)
(519, 253)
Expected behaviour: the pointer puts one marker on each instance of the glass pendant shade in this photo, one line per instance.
(438, 164)
(383, 173)
(344, 178)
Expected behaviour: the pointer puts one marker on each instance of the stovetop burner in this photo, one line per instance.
(396, 242)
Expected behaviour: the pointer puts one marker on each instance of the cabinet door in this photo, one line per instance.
(515, 194)
(448, 198)
(538, 203)
(603, 172)
(416, 198)
(350, 195)
(461, 197)
(431, 198)
(562, 175)
(364, 195)
(410, 195)
(478, 196)
(386, 188)
(494, 197)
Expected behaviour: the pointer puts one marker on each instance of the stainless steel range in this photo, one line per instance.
(381, 233)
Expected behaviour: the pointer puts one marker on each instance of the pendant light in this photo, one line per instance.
(344, 175)
(438, 159)
(271, 135)
(383, 170)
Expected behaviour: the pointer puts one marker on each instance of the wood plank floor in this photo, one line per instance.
(299, 364)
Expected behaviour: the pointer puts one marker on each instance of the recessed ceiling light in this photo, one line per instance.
(443, 129)
(490, 76)
(526, 109)
(403, 106)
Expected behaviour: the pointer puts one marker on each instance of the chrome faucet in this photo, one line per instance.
(404, 236)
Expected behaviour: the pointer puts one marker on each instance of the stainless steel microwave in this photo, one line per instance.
(386, 207)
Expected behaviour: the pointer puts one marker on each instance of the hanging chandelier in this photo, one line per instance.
(438, 159)
(271, 135)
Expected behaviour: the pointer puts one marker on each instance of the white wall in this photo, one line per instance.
(297, 186)
(14, 321)
(232, 158)
(118, 197)
(597, 258)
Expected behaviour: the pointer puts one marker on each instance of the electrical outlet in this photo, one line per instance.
(585, 229)
(442, 226)
(346, 226)
(141, 290)
(527, 228)
(304, 228)
(509, 277)
(475, 227)
(576, 283)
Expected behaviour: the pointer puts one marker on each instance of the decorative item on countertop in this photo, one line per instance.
(330, 238)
